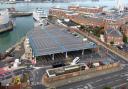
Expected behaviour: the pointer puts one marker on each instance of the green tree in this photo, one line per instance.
(25, 77)
(107, 87)
(16, 80)
(112, 42)
(82, 27)
(124, 38)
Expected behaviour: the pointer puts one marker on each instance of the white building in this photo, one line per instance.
(120, 5)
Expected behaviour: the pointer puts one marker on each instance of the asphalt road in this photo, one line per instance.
(115, 80)
(36, 77)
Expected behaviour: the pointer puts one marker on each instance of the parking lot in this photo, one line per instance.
(89, 56)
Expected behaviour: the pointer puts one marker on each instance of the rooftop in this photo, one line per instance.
(113, 32)
(52, 40)
(111, 15)
(91, 18)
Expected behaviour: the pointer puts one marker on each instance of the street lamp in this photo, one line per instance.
(7, 86)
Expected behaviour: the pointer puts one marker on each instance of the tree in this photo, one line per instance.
(82, 27)
(16, 80)
(25, 77)
(107, 87)
(112, 42)
(124, 38)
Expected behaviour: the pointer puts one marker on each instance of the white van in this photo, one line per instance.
(75, 61)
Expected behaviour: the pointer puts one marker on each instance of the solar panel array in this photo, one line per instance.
(52, 40)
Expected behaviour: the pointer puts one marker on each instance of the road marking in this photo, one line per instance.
(98, 80)
(117, 80)
(101, 85)
(79, 86)
(119, 85)
(89, 85)
(116, 75)
(107, 78)
(110, 82)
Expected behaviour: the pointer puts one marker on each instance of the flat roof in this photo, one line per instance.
(52, 40)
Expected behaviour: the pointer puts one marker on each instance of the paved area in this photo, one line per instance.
(36, 77)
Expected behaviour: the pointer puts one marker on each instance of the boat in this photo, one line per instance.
(11, 2)
(14, 13)
(39, 14)
(6, 23)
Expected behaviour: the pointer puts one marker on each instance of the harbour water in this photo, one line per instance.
(25, 24)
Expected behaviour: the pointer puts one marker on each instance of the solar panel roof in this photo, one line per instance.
(52, 40)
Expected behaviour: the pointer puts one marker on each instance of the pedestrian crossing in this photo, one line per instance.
(86, 86)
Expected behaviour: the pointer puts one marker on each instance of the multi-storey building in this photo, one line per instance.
(76, 17)
(86, 9)
(62, 13)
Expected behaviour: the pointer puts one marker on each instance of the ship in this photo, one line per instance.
(11, 2)
(39, 14)
(6, 23)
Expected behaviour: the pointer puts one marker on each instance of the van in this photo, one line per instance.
(75, 61)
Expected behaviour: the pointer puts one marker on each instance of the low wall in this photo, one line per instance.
(11, 87)
(76, 76)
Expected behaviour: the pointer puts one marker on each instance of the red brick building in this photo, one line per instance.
(99, 19)
(86, 9)
(62, 13)
(77, 18)
(89, 21)
(113, 36)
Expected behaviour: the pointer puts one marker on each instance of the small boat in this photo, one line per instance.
(39, 14)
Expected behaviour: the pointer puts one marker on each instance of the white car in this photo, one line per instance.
(75, 61)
